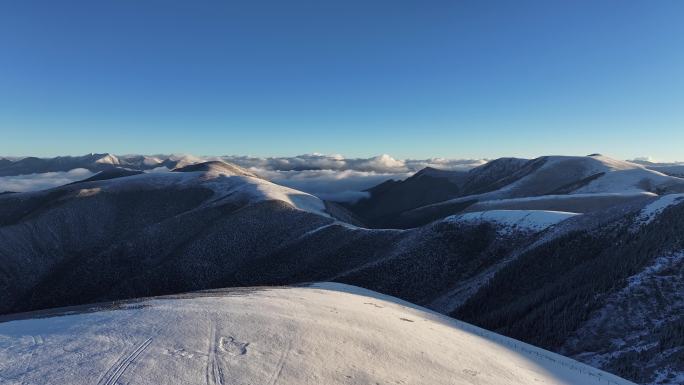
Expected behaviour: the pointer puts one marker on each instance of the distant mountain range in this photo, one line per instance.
(92, 162)
(576, 184)
(578, 255)
(11, 166)
(673, 169)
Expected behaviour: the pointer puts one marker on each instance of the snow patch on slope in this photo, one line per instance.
(520, 220)
(652, 210)
(659, 265)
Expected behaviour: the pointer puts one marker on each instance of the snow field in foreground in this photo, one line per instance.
(328, 334)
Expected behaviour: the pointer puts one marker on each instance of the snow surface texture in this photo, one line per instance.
(521, 220)
(327, 334)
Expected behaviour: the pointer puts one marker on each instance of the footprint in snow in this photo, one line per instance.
(181, 352)
(232, 346)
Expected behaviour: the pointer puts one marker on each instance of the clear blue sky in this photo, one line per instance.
(408, 78)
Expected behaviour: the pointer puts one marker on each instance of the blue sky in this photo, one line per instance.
(415, 79)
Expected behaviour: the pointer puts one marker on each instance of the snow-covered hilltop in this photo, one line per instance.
(555, 183)
(94, 163)
(326, 334)
(228, 182)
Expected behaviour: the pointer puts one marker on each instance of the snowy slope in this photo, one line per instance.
(589, 174)
(108, 159)
(562, 183)
(232, 182)
(672, 169)
(651, 211)
(227, 181)
(627, 177)
(521, 220)
(327, 334)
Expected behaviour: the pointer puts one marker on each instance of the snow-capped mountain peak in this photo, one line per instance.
(108, 159)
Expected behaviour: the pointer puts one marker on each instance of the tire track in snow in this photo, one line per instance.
(115, 372)
(37, 341)
(281, 363)
(214, 373)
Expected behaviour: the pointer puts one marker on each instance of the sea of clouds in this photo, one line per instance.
(337, 178)
(42, 181)
(331, 177)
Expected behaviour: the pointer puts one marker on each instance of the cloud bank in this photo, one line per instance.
(330, 177)
(379, 164)
(32, 182)
(336, 178)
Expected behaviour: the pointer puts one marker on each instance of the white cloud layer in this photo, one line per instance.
(336, 178)
(32, 182)
(330, 177)
(334, 185)
(379, 164)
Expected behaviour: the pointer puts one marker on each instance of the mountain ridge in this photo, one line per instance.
(511, 178)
